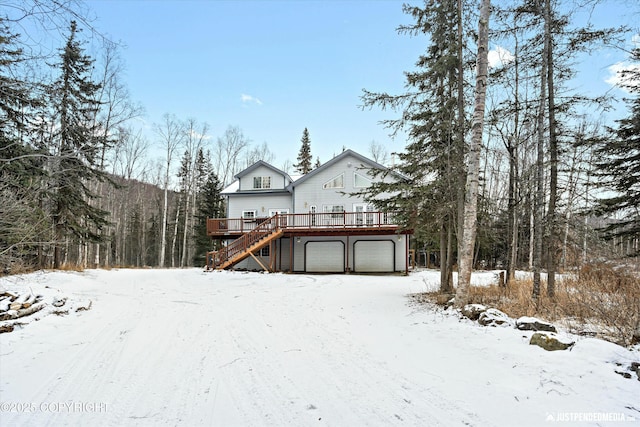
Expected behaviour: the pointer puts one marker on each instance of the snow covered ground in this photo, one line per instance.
(189, 348)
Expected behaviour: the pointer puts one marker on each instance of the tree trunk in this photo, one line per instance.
(460, 137)
(553, 154)
(538, 226)
(175, 236)
(183, 260)
(444, 282)
(163, 239)
(473, 168)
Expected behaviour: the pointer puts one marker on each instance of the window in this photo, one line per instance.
(261, 182)
(360, 180)
(264, 251)
(335, 210)
(337, 182)
(248, 215)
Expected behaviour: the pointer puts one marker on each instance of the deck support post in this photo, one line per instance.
(259, 262)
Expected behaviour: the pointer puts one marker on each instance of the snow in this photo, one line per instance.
(189, 348)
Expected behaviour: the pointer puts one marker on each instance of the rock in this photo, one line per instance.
(494, 317)
(549, 342)
(473, 311)
(532, 324)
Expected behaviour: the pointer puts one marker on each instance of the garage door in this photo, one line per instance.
(374, 256)
(324, 257)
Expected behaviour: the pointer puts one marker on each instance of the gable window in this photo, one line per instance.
(360, 180)
(337, 182)
(260, 182)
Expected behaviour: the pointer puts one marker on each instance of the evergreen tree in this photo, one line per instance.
(621, 164)
(21, 219)
(76, 149)
(19, 158)
(304, 156)
(430, 200)
(210, 204)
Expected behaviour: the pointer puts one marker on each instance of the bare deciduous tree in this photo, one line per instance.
(171, 133)
(227, 153)
(471, 197)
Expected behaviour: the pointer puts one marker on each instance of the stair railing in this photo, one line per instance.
(242, 243)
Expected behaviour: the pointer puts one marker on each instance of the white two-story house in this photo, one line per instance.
(310, 223)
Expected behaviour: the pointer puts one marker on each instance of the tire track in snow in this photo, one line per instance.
(229, 349)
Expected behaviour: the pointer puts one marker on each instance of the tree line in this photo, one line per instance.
(76, 186)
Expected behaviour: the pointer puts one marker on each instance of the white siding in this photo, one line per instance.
(261, 203)
(310, 192)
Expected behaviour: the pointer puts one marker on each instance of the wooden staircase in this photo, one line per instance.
(244, 246)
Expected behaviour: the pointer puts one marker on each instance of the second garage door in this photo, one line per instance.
(324, 257)
(374, 256)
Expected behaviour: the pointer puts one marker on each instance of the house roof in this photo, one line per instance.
(258, 164)
(234, 187)
(231, 188)
(345, 153)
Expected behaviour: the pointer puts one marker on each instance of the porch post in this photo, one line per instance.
(291, 253)
(347, 269)
(406, 255)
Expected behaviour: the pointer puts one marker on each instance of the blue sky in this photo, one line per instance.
(271, 68)
(275, 67)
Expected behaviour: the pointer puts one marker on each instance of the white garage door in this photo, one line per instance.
(374, 256)
(324, 257)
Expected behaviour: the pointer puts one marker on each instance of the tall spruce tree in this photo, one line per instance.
(304, 156)
(21, 220)
(621, 164)
(19, 158)
(210, 204)
(75, 149)
(430, 200)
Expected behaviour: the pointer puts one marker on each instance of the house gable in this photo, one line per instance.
(262, 177)
(330, 186)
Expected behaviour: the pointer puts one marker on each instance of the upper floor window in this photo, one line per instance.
(360, 180)
(337, 182)
(261, 182)
(337, 211)
(248, 214)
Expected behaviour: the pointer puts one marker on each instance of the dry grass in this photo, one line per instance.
(599, 300)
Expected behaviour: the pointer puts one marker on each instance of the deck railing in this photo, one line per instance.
(320, 221)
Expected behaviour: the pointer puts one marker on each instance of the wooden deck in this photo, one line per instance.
(308, 223)
(251, 235)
